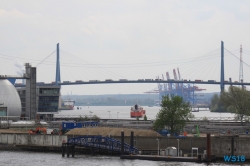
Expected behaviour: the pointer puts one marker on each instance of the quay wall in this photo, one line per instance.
(26, 139)
(220, 145)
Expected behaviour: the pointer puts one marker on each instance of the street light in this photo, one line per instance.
(178, 147)
(117, 115)
(158, 145)
(109, 114)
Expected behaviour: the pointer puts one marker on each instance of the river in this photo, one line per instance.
(22, 158)
(123, 112)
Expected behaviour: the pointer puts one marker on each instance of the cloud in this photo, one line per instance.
(117, 32)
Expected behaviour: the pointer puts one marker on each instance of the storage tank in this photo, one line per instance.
(10, 103)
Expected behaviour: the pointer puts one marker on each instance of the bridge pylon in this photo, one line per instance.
(222, 68)
(58, 73)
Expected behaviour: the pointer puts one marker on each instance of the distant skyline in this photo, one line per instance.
(124, 40)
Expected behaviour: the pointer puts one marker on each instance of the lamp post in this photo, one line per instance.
(117, 115)
(178, 147)
(158, 145)
(90, 113)
(109, 114)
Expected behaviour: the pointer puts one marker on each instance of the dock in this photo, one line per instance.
(160, 158)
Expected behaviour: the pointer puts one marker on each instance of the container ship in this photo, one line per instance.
(68, 104)
(137, 111)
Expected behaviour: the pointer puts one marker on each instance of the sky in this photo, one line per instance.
(128, 39)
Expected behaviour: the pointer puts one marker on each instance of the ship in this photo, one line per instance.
(137, 111)
(68, 104)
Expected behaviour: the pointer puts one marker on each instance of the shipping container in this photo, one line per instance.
(70, 125)
(210, 81)
(79, 81)
(123, 80)
(197, 80)
(89, 124)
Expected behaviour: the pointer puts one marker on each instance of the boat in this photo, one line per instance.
(69, 104)
(137, 111)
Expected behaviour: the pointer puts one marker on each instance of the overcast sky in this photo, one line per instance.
(114, 39)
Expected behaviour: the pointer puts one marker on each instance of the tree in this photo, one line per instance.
(174, 114)
(237, 101)
(137, 118)
(216, 104)
(145, 118)
(96, 118)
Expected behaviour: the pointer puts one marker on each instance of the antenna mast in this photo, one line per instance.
(241, 66)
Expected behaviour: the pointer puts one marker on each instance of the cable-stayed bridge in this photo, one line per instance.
(218, 67)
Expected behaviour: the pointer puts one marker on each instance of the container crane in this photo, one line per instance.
(169, 84)
(175, 78)
(164, 85)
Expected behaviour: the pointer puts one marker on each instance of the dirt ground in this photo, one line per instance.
(13, 131)
(106, 131)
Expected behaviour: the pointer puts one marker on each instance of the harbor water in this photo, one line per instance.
(123, 112)
(22, 158)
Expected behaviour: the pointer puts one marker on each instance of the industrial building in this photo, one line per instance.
(47, 102)
(38, 101)
(34, 101)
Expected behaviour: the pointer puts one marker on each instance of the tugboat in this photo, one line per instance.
(137, 111)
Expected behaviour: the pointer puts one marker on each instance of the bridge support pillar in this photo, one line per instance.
(122, 143)
(63, 150)
(232, 146)
(73, 151)
(68, 150)
(132, 139)
(92, 151)
(208, 147)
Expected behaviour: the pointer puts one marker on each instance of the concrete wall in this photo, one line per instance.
(26, 139)
(220, 146)
(223, 146)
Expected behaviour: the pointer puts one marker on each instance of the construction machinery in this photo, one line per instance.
(197, 131)
(38, 130)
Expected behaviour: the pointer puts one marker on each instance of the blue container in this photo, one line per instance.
(68, 125)
(78, 125)
(89, 124)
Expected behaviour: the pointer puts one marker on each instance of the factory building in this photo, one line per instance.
(47, 102)
(37, 100)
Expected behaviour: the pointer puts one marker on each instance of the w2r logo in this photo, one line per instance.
(234, 158)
